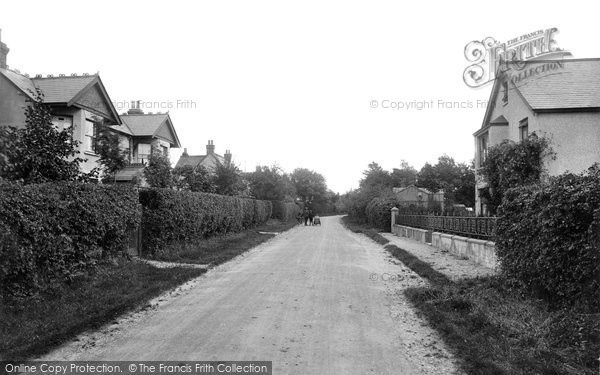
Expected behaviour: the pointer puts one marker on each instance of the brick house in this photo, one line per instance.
(558, 99)
(209, 161)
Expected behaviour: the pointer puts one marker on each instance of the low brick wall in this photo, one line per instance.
(480, 251)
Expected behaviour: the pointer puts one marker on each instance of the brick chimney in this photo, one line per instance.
(135, 108)
(3, 52)
(227, 157)
(185, 154)
(210, 148)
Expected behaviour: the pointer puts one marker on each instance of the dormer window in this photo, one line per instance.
(524, 129)
(505, 92)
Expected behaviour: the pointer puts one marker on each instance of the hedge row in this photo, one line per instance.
(51, 232)
(548, 237)
(378, 212)
(284, 211)
(172, 218)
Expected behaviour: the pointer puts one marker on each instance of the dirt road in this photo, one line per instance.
(312, 300)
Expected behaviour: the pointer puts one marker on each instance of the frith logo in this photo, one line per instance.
(487, 55)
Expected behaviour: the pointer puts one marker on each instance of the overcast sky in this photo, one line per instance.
(291, 82)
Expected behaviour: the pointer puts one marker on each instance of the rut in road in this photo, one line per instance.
(312, 300)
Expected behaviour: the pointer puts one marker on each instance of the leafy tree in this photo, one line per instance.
(158, 171)
(270, 183)
(404, 176)
(228, 180)
(197, 179)
(375, 175)
(112, 157)
(511, 164)
(39, 152)
(309, 184)
(457, 180)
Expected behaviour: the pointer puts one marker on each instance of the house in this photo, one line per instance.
(80, 102)
(416, 197)
(76, 101)
(558, 99)
(208, 161)
(140, 134)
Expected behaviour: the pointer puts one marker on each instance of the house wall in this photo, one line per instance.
(11, 104)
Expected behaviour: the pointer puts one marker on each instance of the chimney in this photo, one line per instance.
(227, 157)
(210, 148)
(3, 52)
(185, 154)
(135, 108)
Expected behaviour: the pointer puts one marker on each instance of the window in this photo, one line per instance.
(143, 152)
(483, 148)
(524, 129)
(89, 142)
(62, 122)
(505, 91)
(165, 150)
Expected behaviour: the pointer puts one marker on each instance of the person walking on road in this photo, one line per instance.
(305, 216)
(311, 216)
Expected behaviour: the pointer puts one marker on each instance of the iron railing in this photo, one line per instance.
(467, 226)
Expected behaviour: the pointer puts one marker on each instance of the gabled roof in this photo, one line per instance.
(154, 125)
(196, 160)
(573, 86)
(500, 120)
(401, 189)
(86, 91)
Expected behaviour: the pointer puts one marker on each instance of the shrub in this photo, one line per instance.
(378, 212)
(284, 211)
(171, 218)
(547, 238)
(51, 232)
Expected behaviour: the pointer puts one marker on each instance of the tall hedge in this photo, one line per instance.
(172, 217)
(50, 232)
(378, 212)
(547, 238)
(284, 211)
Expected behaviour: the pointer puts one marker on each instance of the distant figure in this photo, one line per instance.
(317, 220)
(305, 216)
(299, 217)
(311, 216)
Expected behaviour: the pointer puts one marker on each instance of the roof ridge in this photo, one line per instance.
(62, 76)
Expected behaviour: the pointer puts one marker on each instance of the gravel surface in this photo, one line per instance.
(314, 300)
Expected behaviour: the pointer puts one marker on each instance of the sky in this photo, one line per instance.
(298, 84)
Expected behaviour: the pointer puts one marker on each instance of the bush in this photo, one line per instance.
(171, 218)
(547, 238)
(378, 212)
(284, 211)
(52, 232)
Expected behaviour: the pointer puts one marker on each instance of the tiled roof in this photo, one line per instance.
(62, 89)
(574, 85)
(22, 82)
(145, 124)
(193, 160)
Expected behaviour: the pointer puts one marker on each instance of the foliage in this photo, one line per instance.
(457, 180)
(547, 238)
(309, 184)
(39, 152)
(158, 171)
(270, 183)
(511, 164)
(171, 218)
(378, 211)
(404, 176)
(197, 179)
(228, 180)
(284, 210)
(53, 231)
(375, 176)
(112, 157)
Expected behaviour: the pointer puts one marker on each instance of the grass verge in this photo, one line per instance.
(492, 329)
(32, 326)
(216, 250)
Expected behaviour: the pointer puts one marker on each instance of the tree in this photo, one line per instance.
(112, 157)
(456, 180)
(375, 175)
(510, 164)
(158, 171)
(39, 152)
(197, 179)
(309, 184)
(228, 180)
(270, 183)
(404, 176)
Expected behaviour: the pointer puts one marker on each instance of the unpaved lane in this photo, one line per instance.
(312, 300)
